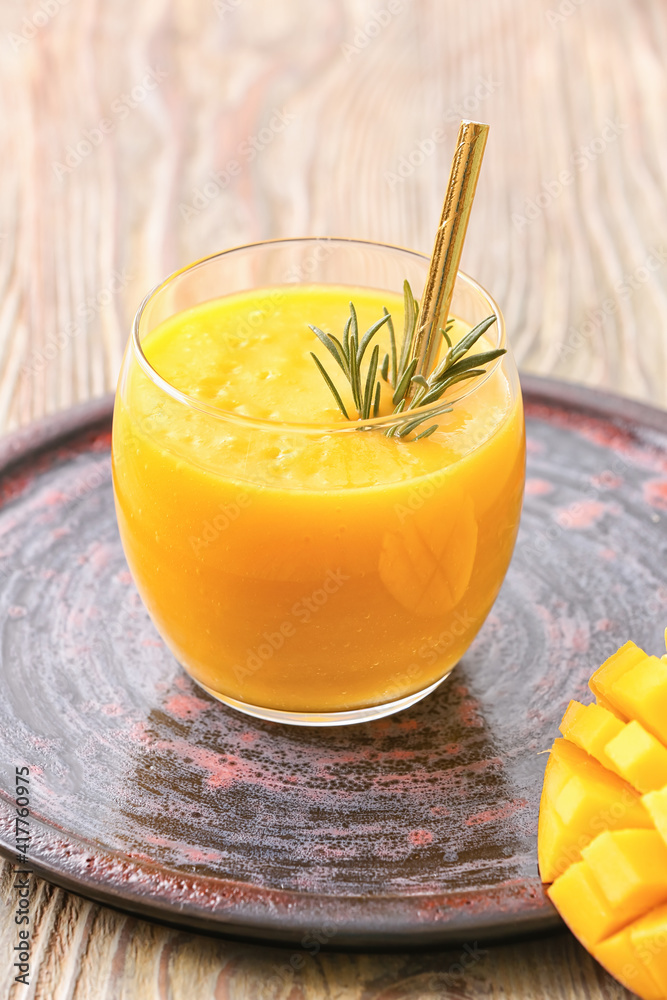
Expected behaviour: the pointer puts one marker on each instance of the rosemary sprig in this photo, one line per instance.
(398, 368)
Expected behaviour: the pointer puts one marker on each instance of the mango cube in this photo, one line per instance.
(620, 957)
(649, 939)
(582, 905)
(591, 727)
(580, 798)
(638, 757)
(622, 875)
(655, 804)
(641, 693)
(612, 669)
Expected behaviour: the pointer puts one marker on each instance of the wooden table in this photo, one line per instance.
(140, 134)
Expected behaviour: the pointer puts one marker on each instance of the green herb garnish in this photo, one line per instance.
(398, 368)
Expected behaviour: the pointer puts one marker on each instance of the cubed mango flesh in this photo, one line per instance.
(641, 694)
(649, 938)
(582, 905)
(622, 875)
(619, 956)
(591, 727)
(655, 804)
(611, 670)
(639, 757)
(580, 798)
(602, 834)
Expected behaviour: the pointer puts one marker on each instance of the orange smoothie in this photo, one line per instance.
(291, 560)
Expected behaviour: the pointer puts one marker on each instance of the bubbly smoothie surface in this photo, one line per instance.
(250, 355)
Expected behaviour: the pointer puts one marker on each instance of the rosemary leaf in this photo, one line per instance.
(438, 390)
(410, 425)
(410, 321)
(384, 371)
(355, 360)
(367, 337)
(404, 382)
(427, 433)
(346, 342)
(370, 382)
(475, 361)
(392, 340)
(333, 346)
(471, 338)
(376, 404)
(328, 381)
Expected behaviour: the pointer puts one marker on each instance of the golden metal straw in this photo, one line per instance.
(446, 256)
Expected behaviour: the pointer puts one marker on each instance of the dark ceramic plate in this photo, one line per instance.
(415, 830)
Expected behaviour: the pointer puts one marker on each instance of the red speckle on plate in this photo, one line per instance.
(420, 837)
(468, 712)
(582, 514)
(492, 815)
(655, 493)
(185, 706)
(538, 487)
(607, 480)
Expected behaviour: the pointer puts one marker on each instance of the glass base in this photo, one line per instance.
(353, 717)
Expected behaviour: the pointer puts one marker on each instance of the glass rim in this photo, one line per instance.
(385, 422)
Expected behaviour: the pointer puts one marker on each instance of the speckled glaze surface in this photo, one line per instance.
(414, 830)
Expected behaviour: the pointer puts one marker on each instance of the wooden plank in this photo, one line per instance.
(123, 123)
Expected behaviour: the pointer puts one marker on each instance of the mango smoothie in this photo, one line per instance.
(301, 565)
(290, 560)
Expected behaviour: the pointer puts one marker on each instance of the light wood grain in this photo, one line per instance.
(584, 94)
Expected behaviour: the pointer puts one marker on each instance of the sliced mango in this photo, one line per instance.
(580, 798)
(622, 875)
(582, 905)
(625, 748)
(655, 804)
(603, 845)
(591, 727)
(619, 956)
(641, 693)
(649, 939)
(604, 678)
(638, 757)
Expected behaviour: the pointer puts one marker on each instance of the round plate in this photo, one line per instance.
(415, 830)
